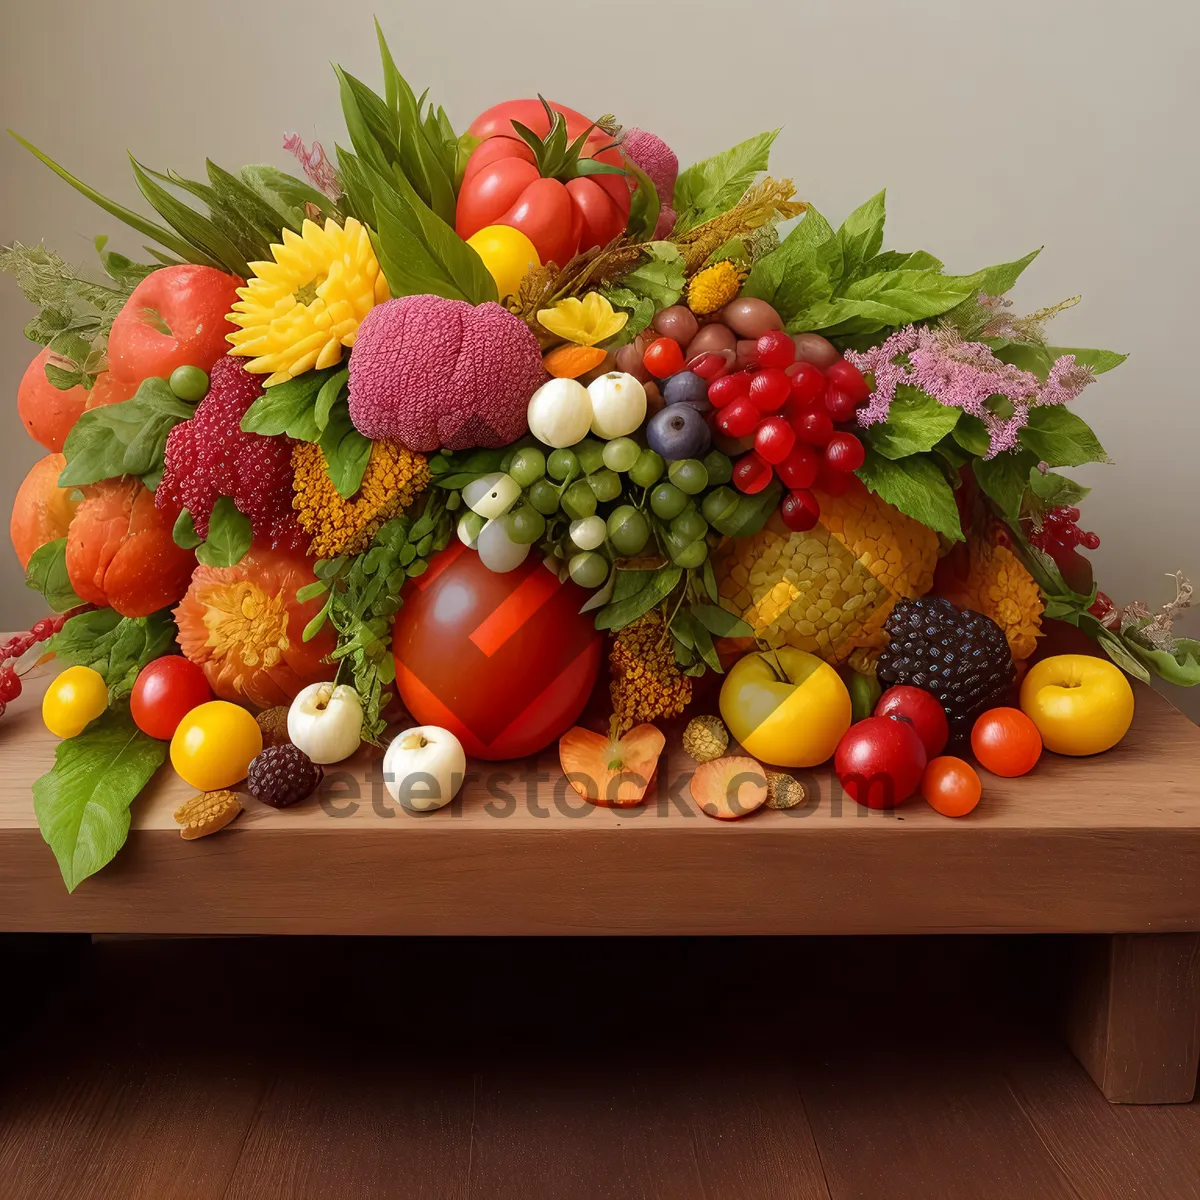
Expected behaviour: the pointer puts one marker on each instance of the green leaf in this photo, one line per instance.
(229, 536)
(346, 451)
(653, 285)
(82, 802)
(291, 407)
(972, 435)
(118, 647)
(1060, 438)
(916, 422)
(128, 438)
(896, 260)
(285, 194)
(714, 185)
(47, 573)
(917, 487)
(1055, 491)
(331, 392)
(1099, 360)
(1120, 653)
(861, 235)
(183, 533)
(794, 275)
(1005, 479)
(620, 612)
(720, 622)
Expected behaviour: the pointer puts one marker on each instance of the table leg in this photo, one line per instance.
(1133, 1014)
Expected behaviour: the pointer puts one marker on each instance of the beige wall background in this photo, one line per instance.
(1068, 124)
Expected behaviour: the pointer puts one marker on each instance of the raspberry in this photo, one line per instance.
(209, 456)
(282, 775)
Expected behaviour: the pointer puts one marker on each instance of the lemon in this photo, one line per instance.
(507, 253)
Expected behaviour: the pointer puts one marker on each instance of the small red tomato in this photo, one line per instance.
(739, 419)
(769, 389)
(808, 383)
(921, 711)
(165, 691)
(844, 452)
(751, 474)
(951, 786)
(799, 469)
(663, 358)
(849, 379)
(813, 426)
(1006, 742)
(800, 510)
(775, 349)
(774, 438)
(879, 762)
(839, 405)
(727, 388)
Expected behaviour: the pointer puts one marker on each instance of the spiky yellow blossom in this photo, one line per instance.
(714, 287)
(394, 478)
(830, 589)
(646, 682)
(997, 584)
(298, 311)
(585, 322)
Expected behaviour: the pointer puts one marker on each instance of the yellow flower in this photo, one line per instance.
(584, 322)
(714, 287)
(394, 478)
(299, 311)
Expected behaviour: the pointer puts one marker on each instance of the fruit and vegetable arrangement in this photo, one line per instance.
(450, 437)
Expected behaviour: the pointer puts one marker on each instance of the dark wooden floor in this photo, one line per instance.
(880, 1069)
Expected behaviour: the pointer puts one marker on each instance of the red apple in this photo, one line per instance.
(880, 762)
(921, 711)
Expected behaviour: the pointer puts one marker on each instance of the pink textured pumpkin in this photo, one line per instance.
(432, 373)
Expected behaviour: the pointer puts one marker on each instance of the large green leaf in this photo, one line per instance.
(916, 422)
(82, 802)
(917, 487)
(229, 536)
(290, 407)
(1005, 479)
(792, 276)
(346, 451)
(861, 235)
(1061, 438)
(116, 646)
(714, 185)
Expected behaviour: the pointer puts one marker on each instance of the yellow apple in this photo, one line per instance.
(1080, 704)
(786, 707)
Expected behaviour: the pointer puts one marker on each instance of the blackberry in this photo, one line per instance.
(957, 655)
(282, 775)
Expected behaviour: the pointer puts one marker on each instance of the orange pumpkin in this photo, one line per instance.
(244, 626)
(42, 510)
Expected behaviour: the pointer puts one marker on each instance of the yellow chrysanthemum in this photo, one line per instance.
(714, 287)
(585, 322)
(394, 478)
(299, 311)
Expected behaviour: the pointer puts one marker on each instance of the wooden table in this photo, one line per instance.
(1108, 847)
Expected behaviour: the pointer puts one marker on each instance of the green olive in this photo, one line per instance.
(588, 569)
(579, 501)
(647, 469)
(528, 465)
(667, 501)
(590, 453)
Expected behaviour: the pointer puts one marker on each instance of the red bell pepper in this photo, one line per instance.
(547, 171)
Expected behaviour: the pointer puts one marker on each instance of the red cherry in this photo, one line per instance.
(807, 383)
(814, 426)
(728, 388)
(769, 389)
(774, 439)
(799, 469)
(775, 349)
(839, 404)
(1090, 541)
(849, 379)
(844, 452)
(709, 365)
(800, 510)
(663, 358)
(833, 483)
(738, 419)
(751, 474)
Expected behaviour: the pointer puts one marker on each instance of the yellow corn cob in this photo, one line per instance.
(830, 589)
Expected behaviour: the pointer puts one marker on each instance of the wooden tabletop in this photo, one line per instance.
(1110, 844)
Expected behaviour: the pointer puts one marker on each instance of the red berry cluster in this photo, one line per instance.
(16, 648)
(792, 410)
(1060, 532)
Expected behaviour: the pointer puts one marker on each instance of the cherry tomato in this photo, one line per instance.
(799, 469)
(849, 379)
(951, 786)
(808, 384)
(213, 745)
(76, 697)
(663, 358)
(727, 388)
(774, 439)
(769, 389)
(1006, 742)
(166, 690)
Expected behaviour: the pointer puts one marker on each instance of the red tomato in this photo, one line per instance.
(951, 786)
(562, 213)
(166, 690)
(663, 358)
(190, 301)
(1006, 742)
(879, 762)
(921, 711)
